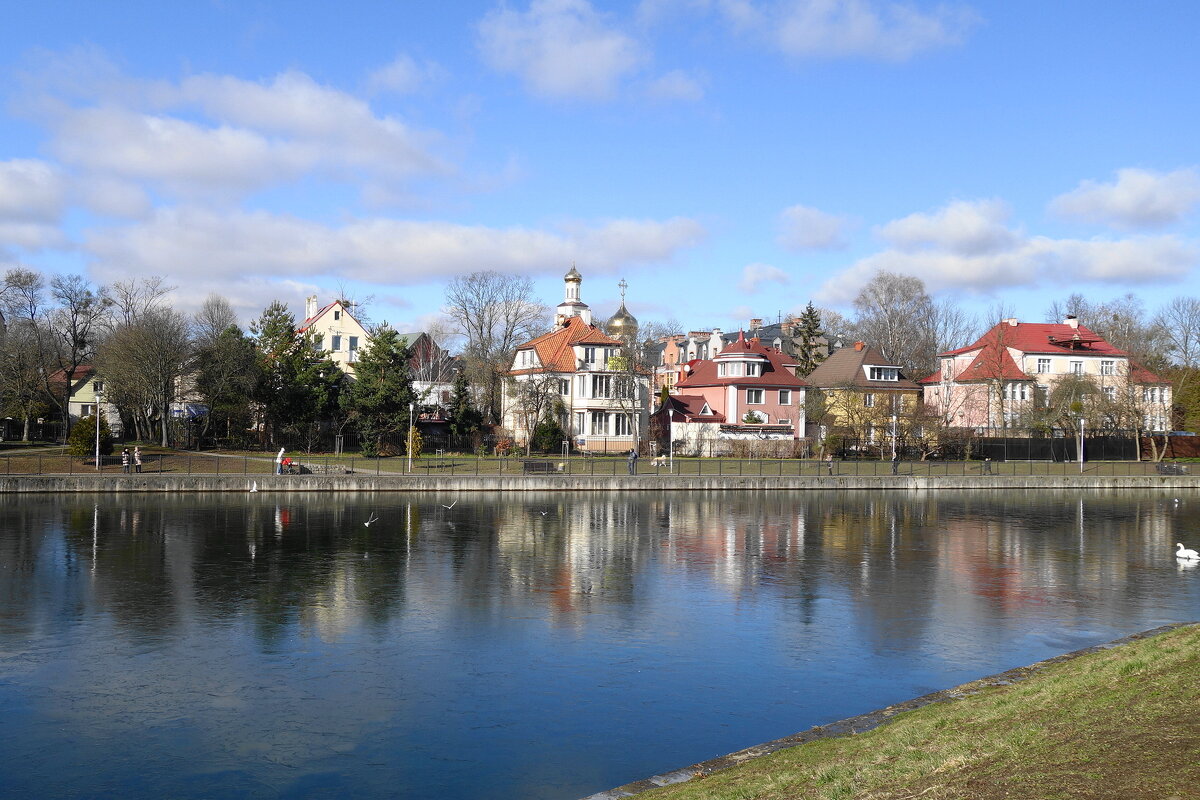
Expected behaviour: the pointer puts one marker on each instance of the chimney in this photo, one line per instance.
(1072, 320)
(1012, 322)
(755, 324)
(858, 346)
(310, 306)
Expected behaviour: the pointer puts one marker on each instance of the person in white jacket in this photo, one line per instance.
(279, 462)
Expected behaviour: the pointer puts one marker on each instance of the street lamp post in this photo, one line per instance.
(96, 414)
(411, 407)
(1081, 426)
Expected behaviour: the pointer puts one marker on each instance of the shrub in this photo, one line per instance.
(82, 440)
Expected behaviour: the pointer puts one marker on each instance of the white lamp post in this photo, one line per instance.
(96, 414)
(411, 407)
(1081, 425)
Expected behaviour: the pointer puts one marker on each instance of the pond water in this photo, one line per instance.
(526, 645)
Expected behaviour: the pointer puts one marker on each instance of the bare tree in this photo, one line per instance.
(1179, 321)
(494, 313)
(145, 363)
(215, 316)
(893, 314)
(134, 298)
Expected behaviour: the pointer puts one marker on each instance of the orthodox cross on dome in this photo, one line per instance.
(623, 286)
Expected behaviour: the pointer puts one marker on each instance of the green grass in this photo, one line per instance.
(1121, 723)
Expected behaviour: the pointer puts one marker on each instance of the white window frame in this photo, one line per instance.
(1076, 367)
(335, 342)
(883, 373)
(785, 397)
(869, 400)
(1043, 366)
(1107, 367)
(755, 397)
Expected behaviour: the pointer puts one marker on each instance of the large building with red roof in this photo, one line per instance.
(748, 392)
(581, 371)
(994, 382)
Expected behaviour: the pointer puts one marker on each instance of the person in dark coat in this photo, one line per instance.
(633, 457)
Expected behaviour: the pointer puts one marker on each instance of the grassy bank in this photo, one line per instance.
(1121, 723)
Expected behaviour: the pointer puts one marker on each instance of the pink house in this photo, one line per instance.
(747, 392)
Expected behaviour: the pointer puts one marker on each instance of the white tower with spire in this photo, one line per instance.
(572, 306)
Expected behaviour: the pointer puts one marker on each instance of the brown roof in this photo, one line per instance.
(688, 408)
(845, 367)
(555, 349)
(777, 367)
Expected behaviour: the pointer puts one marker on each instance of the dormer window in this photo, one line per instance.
(883, 373)
(589, 355)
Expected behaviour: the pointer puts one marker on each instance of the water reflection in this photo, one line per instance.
(526, 645)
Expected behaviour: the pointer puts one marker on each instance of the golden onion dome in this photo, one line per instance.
(622, 323)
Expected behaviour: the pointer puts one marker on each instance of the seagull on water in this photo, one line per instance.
(452, 505)
(1183, 552)
(254, 486)
(367, 524)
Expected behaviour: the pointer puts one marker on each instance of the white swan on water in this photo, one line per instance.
(1183, 552)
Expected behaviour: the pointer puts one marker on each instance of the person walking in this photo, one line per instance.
(895, 463)
(137, 460)
(987, 466)
(633, 457)
(829, 462)
(125, 461)
(279, 462)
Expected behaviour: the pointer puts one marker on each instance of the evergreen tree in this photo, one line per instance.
(808, 341)
(548, 435)
(81, 441)
(299, 386)
(465, 418)
(379, 400)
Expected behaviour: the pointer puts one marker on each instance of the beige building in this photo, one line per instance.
(335, 330)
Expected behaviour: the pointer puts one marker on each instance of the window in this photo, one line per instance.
(564, 386)
(1110, 393)
(1016, 391)
(754, 396)
(884, 373)
(601, 386)
(784, 421)
(86, 410)
(721, 370)
(622, 425)
(785, 397)
(1149, 394)
(589, 355)
(753, 370)
(336, 343)
(337, 315)
(1043, 365)
(580, 421)
(1043, 395)
(97, 386)
(869, 400)
(318, 342)
(353, 343)
(1106, 367)
(599, 423)
(1076, 367)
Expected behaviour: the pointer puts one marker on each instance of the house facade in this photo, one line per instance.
(578, 373)
(859, 393)
(335, 330)
(748, 392)
(1014, 370)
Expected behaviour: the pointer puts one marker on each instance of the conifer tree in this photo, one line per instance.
(465, 418)
(379, 400)
(808, 341)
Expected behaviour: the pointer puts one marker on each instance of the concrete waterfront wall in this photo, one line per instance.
(23, 484)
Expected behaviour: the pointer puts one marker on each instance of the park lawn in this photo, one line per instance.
(1119, 723)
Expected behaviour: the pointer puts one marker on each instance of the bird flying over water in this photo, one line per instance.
(367, 524)
(451, 505)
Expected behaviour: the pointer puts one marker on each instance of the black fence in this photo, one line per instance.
(996, 445)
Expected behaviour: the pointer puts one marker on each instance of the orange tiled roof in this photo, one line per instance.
(555, 349)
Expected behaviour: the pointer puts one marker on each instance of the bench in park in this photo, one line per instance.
(530, 467)
(1170, 468)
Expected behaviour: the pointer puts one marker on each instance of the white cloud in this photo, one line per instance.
(755, 275)
(30, 190)
(195, 241)
(888, 31)
(560, 49)
(805, 228)
(962, 227)
(1138, 198)
(966, 246)
(676, 85)
(404, 75)
(218, 136)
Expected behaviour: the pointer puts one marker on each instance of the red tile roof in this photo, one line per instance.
(1039, 337)
(993, 362)
(777, 369)
(1139, 374)
(555, 349)
(688, 408)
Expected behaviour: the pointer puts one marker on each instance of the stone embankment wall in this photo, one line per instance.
(13, 484)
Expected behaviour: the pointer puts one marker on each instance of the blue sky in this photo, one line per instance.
(728, 158)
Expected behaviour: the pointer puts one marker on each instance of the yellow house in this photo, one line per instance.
(334, 329)
(858, 392)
